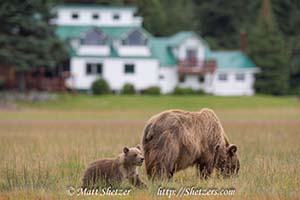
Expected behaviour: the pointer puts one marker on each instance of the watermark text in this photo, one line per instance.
(194, 191)
(105, 191)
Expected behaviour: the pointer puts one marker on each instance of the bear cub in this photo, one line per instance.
(114, 171)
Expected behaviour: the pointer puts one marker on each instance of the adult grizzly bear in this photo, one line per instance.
(111, 171)
(175, 139)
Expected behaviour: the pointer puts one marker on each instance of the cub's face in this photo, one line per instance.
(228, 163)
(133, 156)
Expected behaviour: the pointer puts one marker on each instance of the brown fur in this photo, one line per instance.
(174, 140)
(114, 171)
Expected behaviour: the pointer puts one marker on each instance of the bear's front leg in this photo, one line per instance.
(137, 182)
(204, 170)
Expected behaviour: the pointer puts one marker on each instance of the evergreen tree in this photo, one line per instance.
(288, 15)
(27, 38)
(268, 50)
(220, 22)
(164, 18)
(179, 16)
(153, 15)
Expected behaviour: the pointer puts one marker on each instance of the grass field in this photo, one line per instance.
(44, 147)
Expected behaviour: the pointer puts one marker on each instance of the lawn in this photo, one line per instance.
(44, 147)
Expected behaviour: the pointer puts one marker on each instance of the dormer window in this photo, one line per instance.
(116, 16)
(95, 16)
(75, 16)
(94, 37)
(135, 38)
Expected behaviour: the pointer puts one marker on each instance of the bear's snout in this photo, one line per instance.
(140, 161)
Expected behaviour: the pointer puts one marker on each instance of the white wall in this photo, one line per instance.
(208, 83)
(146, 73)
(213, 85)
(79, 79)
(168, 78)
(133, 50)
(93, 50)
(64, 17)
(192, 81)
(233, 87)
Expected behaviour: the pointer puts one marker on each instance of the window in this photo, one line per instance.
(88, 68)
(75, 16)
(95, 16)
(161, 77)
(201, 79)
(181, 79)
(116, 16)
(191, 54)
(240, 77)
(99, 68)
(222, 77)
(129, 69)
(94, 68)
(135, 38)
(94, 37)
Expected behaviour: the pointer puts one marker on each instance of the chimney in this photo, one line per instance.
(243, 41)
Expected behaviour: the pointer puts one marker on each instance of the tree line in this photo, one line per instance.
(272, 27)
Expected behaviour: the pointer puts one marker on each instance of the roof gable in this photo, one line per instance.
(180, 37)
(162, 47)
(94, 36)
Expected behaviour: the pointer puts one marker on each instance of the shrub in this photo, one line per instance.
(128, 89)
(154, 90)
(187, 91)
(100, 86)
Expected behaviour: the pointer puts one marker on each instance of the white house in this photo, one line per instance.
(110, 42)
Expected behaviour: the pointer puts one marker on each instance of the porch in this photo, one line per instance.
(196, 67)
(37, 79)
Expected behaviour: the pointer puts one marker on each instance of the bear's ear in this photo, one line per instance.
(125, 150)
(232, 149)
(138, 146)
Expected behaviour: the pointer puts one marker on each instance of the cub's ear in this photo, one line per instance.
(125, 150)
(232, 149)
(138, 146)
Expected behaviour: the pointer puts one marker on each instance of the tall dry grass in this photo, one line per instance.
(41, 156)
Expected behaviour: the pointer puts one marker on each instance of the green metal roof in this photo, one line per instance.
(161, 50)
(66, 32)
(95, 7)
(231, 60)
